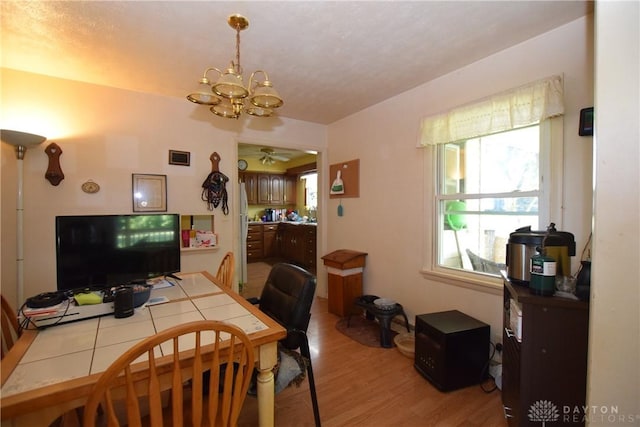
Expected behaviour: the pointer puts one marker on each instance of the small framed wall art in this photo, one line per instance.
(149, 193)
(180, 158)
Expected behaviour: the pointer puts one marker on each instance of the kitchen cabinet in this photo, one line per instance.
(251, 186)
(294, 243)
(270, 189)
(290, 189)
(254, 243)
(544, 360)
(310, 251)
(269, 241)
(297, 244)
(291, 243)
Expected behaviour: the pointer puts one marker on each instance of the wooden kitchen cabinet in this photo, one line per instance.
(291, 243)
(290, 189)
(544, 360)
(294, 243)
(269, 241)
(251, 185)
(270, 189)
(297, 244)
(310, 244)
(254, 243)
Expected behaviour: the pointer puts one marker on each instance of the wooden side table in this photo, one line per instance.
(345, 279)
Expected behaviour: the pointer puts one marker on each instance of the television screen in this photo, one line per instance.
(98, 251)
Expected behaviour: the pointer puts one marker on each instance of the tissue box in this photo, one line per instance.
(206, 239)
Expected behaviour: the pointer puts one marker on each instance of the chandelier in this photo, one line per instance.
(228, 96)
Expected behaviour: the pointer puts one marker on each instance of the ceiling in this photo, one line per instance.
(327, 59)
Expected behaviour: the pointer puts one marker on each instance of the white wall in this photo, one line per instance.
(106, 135)
(614, 340)
(386, 221)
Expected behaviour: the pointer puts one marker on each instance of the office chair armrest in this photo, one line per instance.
(254, 300)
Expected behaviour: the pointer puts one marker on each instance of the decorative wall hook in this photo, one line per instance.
(54, 173)
(214, 188)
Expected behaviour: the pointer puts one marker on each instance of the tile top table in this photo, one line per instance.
(62, 362)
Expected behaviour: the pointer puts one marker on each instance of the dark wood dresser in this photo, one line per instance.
(544, 361)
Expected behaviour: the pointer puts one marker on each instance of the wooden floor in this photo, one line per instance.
(257, 273)
(366, 386)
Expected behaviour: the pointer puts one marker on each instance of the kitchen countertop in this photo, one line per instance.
(283, 222)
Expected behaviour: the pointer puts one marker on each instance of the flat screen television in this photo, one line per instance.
(98, 251)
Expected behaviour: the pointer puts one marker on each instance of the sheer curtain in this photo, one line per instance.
(522, 106)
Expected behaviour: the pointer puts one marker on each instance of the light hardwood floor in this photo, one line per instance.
(257, 273)
(366, 386)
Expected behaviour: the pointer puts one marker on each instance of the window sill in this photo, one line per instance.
(477, 282)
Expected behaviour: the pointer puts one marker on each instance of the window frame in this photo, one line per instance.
(550, 207)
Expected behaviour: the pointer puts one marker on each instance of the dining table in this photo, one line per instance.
(50, 371)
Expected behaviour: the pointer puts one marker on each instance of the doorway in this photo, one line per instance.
(280, 187)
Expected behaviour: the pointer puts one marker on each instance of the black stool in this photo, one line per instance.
(384, 316)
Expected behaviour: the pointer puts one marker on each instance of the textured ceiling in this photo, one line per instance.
(327, 59)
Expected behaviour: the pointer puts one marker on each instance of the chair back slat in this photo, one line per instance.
(226, 270)
(9, 324)
(176, 387)
(127, 380)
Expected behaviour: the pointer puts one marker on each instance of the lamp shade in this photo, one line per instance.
(224, 109)
(265, 96)
(20, 139)
(204, 95)
(230, 85)
(259, 111)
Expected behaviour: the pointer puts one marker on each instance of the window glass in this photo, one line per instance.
(487, 188)
(311, 192)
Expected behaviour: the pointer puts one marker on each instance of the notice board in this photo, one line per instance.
(347, 176)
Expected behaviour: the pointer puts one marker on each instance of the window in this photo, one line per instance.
(310, 193)
(491, 167)
(487, 187)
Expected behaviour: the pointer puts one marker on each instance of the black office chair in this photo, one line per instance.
(287, 297)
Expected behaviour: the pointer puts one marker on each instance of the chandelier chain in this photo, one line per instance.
(238, 67)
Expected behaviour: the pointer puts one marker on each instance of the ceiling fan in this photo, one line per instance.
(269, 156)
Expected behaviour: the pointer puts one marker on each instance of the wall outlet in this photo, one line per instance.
(497, 342)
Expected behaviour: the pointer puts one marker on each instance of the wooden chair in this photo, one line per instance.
(222, 348)
(10, 328)
(226, 270)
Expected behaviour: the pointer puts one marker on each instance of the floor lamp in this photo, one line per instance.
(21, 141)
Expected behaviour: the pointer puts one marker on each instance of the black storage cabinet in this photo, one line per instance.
(452, 349)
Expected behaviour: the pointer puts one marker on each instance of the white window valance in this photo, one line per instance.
(515, 108)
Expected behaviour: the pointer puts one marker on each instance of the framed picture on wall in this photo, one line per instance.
(149, 193)
(180, 158)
